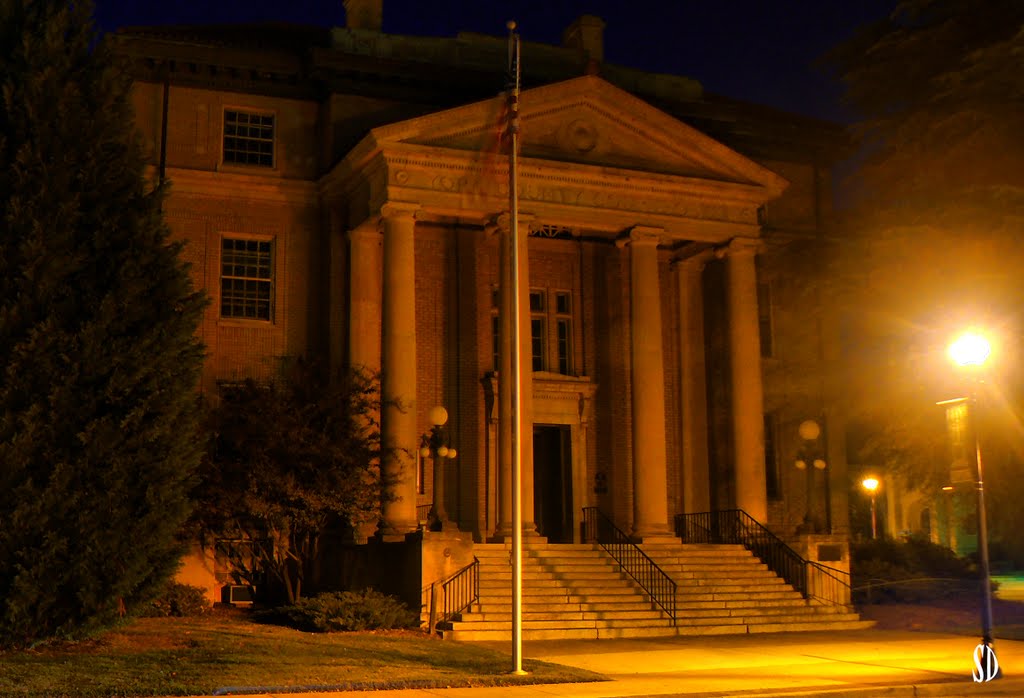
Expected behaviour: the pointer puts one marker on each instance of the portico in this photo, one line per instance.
(627, 191)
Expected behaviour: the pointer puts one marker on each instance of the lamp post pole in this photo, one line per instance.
(874, 518)
(970, 350)
(986, 583)
(808, 460)
(435, 445)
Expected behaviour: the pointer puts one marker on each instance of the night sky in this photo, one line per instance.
(756, 50)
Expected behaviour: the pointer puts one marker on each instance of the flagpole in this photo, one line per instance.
(517, 375)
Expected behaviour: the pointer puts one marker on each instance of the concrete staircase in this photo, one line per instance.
(579, 592)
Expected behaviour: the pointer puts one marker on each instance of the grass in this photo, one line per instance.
(224, 653)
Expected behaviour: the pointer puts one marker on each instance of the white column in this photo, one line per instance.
(399, 437)
(693, 385)
(747, 388)
(650, 487)
(337, 310)
(365, 297)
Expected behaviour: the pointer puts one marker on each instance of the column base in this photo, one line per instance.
(530, 535)
(502, 533)
(653, 534)
(396, 531)
(445, 526)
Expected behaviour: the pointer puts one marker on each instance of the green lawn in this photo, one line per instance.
(227, 653)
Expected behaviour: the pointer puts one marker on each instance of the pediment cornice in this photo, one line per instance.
(592, 155)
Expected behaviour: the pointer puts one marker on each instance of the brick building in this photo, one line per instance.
(344, 194)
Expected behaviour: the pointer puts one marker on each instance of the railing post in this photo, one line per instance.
(433, 608)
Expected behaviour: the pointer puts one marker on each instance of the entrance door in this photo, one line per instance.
(552, 482)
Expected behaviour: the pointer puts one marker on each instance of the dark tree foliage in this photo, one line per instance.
(931, 241)
(98, 357)
(287, 459)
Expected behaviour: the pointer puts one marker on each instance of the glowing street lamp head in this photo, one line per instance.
(970, 349)
(870, 484)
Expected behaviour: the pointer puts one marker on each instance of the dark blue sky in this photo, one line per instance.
(756, 50)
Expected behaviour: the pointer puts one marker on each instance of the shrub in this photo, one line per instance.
(178, 600)
(908, 571)
(342, 611)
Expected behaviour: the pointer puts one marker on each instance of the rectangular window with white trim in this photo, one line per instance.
(248, 138)
(247, 279)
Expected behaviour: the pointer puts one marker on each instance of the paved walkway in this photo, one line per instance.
(858, 664)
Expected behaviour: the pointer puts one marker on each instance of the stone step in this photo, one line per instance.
(489, 615)
(473, 634)
(624, 606)
(770, 583)
(579, 591)
(562, 574)
(797, 600)
(684, 595)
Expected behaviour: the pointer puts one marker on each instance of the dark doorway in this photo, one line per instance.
(552, 482)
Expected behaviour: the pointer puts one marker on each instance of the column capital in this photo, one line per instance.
(740, 246)
(503, 221)
(399, 209)
(366, 231)
(695, 263)
(640, 235)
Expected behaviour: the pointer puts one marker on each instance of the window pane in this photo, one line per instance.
(248, 138)
(563, 306)
(246, 286)
(536, 301)
(496, 341)
(773, 478)
(537, 343)
(564, 347)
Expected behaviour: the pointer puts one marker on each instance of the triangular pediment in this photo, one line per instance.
(587, 121)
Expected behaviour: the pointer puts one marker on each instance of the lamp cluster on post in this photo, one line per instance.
(437, 445)
(809, 459)
(870, 484)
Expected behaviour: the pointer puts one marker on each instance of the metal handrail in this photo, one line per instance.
(459, 591)
(813, 580)
(645, 572)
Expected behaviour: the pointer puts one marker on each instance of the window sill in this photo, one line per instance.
(244, 322)
(233, 168)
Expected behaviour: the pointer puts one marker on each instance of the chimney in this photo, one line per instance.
(367, 15)
(586, 34)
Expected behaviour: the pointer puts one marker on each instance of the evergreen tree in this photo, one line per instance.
(98, 356)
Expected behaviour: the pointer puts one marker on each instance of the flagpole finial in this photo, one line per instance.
(511, 25)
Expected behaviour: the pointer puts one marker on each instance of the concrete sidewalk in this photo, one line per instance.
(857, 663)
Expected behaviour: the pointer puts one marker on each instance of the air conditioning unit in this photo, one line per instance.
(237, 594)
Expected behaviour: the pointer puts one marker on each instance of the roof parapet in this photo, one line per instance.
(586, 34)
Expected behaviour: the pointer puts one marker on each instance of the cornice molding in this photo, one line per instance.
(232, 185)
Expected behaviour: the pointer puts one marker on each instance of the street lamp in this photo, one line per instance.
(435, 443)
(970, 350)
(809, 459)
(871, 485)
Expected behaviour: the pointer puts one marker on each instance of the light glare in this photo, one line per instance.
(870, 484)
(970, 349)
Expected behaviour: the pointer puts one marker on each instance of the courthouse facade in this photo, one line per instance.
(344, 195)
